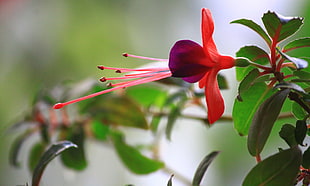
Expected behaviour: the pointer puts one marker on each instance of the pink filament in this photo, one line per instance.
(158, 76)
(142, 57)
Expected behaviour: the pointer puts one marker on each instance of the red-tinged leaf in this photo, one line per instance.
(75, 158)
(48, 156)
(301, 131)
(299, 63)
(306, 159)
(132, 157)
(290, 86)
(263, 121)
(254, 26)
(202, 168)
(280, 169)
(298, 43)
(243, 111)
(253, 54)
(288, 134)
(280, 26)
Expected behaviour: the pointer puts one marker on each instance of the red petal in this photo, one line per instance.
(207, 28)
(214, 99)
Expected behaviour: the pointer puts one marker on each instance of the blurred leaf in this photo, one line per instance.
(170, 180)
(244, 111)
(299, 63)
(303, 75)
(280, 26)
(44, 132)
(48, 156)
(75, 158)
(35, 154)
(132, 158)
(290, 86)
(202, 168)
(298, 43)
(114, 109)
(222, 82)
(279, 169)
(16, 147)
(155, 122)
(298, 111)
(254, 26)
(301, 131)
(247, 82)
(306, 159)
(263, 121)
(254, 54)
(288, 134)
(100, 130)
(147, 95)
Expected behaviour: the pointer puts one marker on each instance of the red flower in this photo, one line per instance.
(187, 60)
(193, 63)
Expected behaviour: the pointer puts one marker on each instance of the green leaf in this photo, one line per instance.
(303, 75)
(254, 54)
(75, 158)
(116, 110)
(290, 86)
(301, 131)
(280, 26)
(280, 169)
(35, 154)
(48, 156)
(222, 82)
(100, 130)
(298, 111)
(298, 43)
(16, 147)
(299, 63)
(263, 121)
(202, 168)
(254, 26)
(288, 134)
(132, 158)
(247, 82)
(155, 123)
(147, 95)
(306, 159)
(244, 111)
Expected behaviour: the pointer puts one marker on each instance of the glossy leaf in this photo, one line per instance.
(299, 63)
(298, 111)
(247, 82)
(290, 86)
(35, 154)
(132, 157)
(99, 130)
(116, 110)
(263, 121)
(255, 55)
(279, 169)
(288, 134)
(280, 26)
(170, 180)
(306, 159)
(301, 131)
(243, 111)
(75, 158)
(298, 43)
(48, 156)
(202, 168)
(254, 26)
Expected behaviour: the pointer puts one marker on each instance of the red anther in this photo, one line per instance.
(118, 71)
(109, 85)
(125, 54)
(100, 67)
(58, 106)
(103, 79)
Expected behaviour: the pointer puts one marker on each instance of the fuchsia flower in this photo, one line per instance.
(187, 60)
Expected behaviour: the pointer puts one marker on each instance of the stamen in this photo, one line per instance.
(122, 70)
(142, 57)
(126, 84)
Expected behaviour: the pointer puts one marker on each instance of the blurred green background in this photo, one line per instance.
(44, 43)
